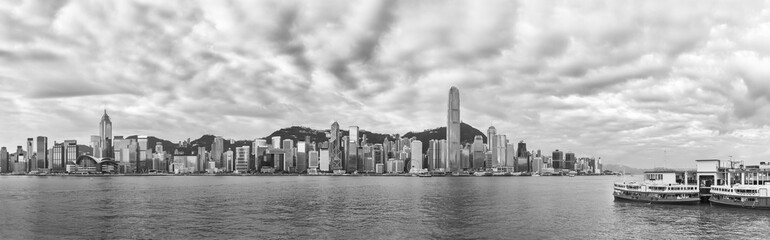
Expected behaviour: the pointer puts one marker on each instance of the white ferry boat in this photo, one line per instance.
(742, 186)
(669, 187)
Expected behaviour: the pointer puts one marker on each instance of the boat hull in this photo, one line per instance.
(738, 204)
(644, 199)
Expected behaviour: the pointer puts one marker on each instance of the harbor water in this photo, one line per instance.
(352, 207)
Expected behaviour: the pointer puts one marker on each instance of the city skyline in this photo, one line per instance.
(593, 78)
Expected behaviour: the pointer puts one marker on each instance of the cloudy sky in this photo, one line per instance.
(621, 80)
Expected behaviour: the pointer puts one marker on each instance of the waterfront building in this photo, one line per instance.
(500, 150)
(288, 156)
(144, 154)
(242, 159)
(28, 156)
(395, 165)
(379, 168)
(492, 144)
(260, 151)
(569, 161)
(378, 154)
(416, 161)
(96, 150)
(202, 158)
(453, 130)
(367, 158)
(217, 148)
(442, 157)
(477, 152)
(335, 145)
(5, 164)
(323, 160)
(558, 160)
(465, 158)
(312, 160)
(229, 161)
(351, 163)
(105, 136)
(488, 155)
(510, 155)
(42, 154)
(302, 158)
(523, 158)
(71, 151)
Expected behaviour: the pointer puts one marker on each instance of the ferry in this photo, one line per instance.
(737, 185)
(666, 187)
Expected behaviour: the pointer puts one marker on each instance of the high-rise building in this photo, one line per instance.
(105, 134)
(570, 161)
(242, 159)
(442, 155)
(260, 151)
(335, 145)
(351, 163)
(288, 157)
(324, 161)
(302, 156)
(492, 144)
(217, 148)
(31, 163)
(42, 153)
(416, 161)
(5, 164)
(500, 148)
(453, 130)
(510, 155)
(312, 159)
(557, 159)
(477, 153)
(96, 150)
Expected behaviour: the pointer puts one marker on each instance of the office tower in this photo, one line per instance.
(242, 159)
(144, 154)
(364, 140)
(465, 157)
(557, 159)
(378, 154)
(42, 153)
(229, 161)
(522, 150)
(510, 155)
(500, 150)
(217, 148)
(453, 130)
(324, 162)
(416, 161)
(276, 141)
(351, 162)
(334, 147)
(5, 164)
(395, 165)
(302, 156)
(260, 150)
(312, 159)
(442, 157)
(201, 153)
(569, 161)
(288, 157)
(28, 160)
(492, 143)
(477, 152)
(105, 135)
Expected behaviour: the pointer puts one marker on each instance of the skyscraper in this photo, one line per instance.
(31, 163)
(5, 164)
(453, 130)
(500, 150)
(217, 148)
(492, 143)
(105, 136)
(335, 153)
(477, 152)
(42, 153)
(558, 159)
(416, 161)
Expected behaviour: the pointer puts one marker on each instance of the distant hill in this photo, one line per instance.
(168, 146)
(467, 134)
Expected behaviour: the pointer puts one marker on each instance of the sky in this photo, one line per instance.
(638, 83)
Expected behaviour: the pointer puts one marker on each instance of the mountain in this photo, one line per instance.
(298, 133)
(467, 134)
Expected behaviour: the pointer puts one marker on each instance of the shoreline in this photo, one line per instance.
(264, 175)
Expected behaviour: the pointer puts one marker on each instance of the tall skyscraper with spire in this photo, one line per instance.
(105, 136)
(453, 131)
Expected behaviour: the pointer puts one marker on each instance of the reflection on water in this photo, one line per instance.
(351, 207)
